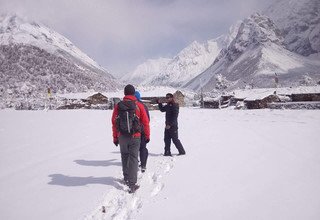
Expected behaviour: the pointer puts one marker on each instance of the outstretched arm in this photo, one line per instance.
(161, 107)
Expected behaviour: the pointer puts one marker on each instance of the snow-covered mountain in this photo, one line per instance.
(253, 57)
(284, 40)
(189, 62)
(186, 65)
(34, 58)
(299, 21)
(147, 71)
(176, 71)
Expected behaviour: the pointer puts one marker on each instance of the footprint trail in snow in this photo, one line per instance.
(118, 204)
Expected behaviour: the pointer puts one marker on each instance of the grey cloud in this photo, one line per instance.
(120, 34)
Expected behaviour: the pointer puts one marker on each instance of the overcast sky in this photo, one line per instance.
(121, 34)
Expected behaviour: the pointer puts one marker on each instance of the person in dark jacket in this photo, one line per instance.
(130, 144)
(171, 129)
(143, 144)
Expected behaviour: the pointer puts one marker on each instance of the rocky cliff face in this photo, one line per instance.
(299, 22)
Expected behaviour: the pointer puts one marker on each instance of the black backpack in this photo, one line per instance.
(127, 121)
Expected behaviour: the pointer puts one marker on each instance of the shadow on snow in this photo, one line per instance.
(98, 163)
(63, 180)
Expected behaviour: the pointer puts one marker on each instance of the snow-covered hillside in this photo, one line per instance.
(16, 30)
(253, 57)
(244, 165)
(34, 58)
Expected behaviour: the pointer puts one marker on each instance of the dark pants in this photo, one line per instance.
(129, 148)
(172, 133)
(143, 151)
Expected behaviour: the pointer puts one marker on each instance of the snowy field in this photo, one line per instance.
(258, 164)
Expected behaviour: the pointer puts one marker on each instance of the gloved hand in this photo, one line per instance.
(115, 141)
(147, 140)
(168, 126)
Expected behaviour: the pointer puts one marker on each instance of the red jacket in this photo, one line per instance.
(141, 113)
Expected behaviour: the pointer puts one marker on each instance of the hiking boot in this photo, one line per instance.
(143, 169)
(181, 153)
(133, 188)
(167, 153)
(124, 182)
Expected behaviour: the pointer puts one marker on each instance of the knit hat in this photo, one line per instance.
(137, 95)
(129, 90)
(169, 95)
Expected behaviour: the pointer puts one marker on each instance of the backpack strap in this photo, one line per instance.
(137, 105)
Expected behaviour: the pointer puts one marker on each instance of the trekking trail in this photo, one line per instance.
(118, 204)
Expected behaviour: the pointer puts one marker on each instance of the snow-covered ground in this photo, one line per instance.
(259, 164)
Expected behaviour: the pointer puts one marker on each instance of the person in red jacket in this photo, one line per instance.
(129, 139)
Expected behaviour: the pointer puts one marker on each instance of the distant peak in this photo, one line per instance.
(261, 28)
(194, 43)
(13, 20)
